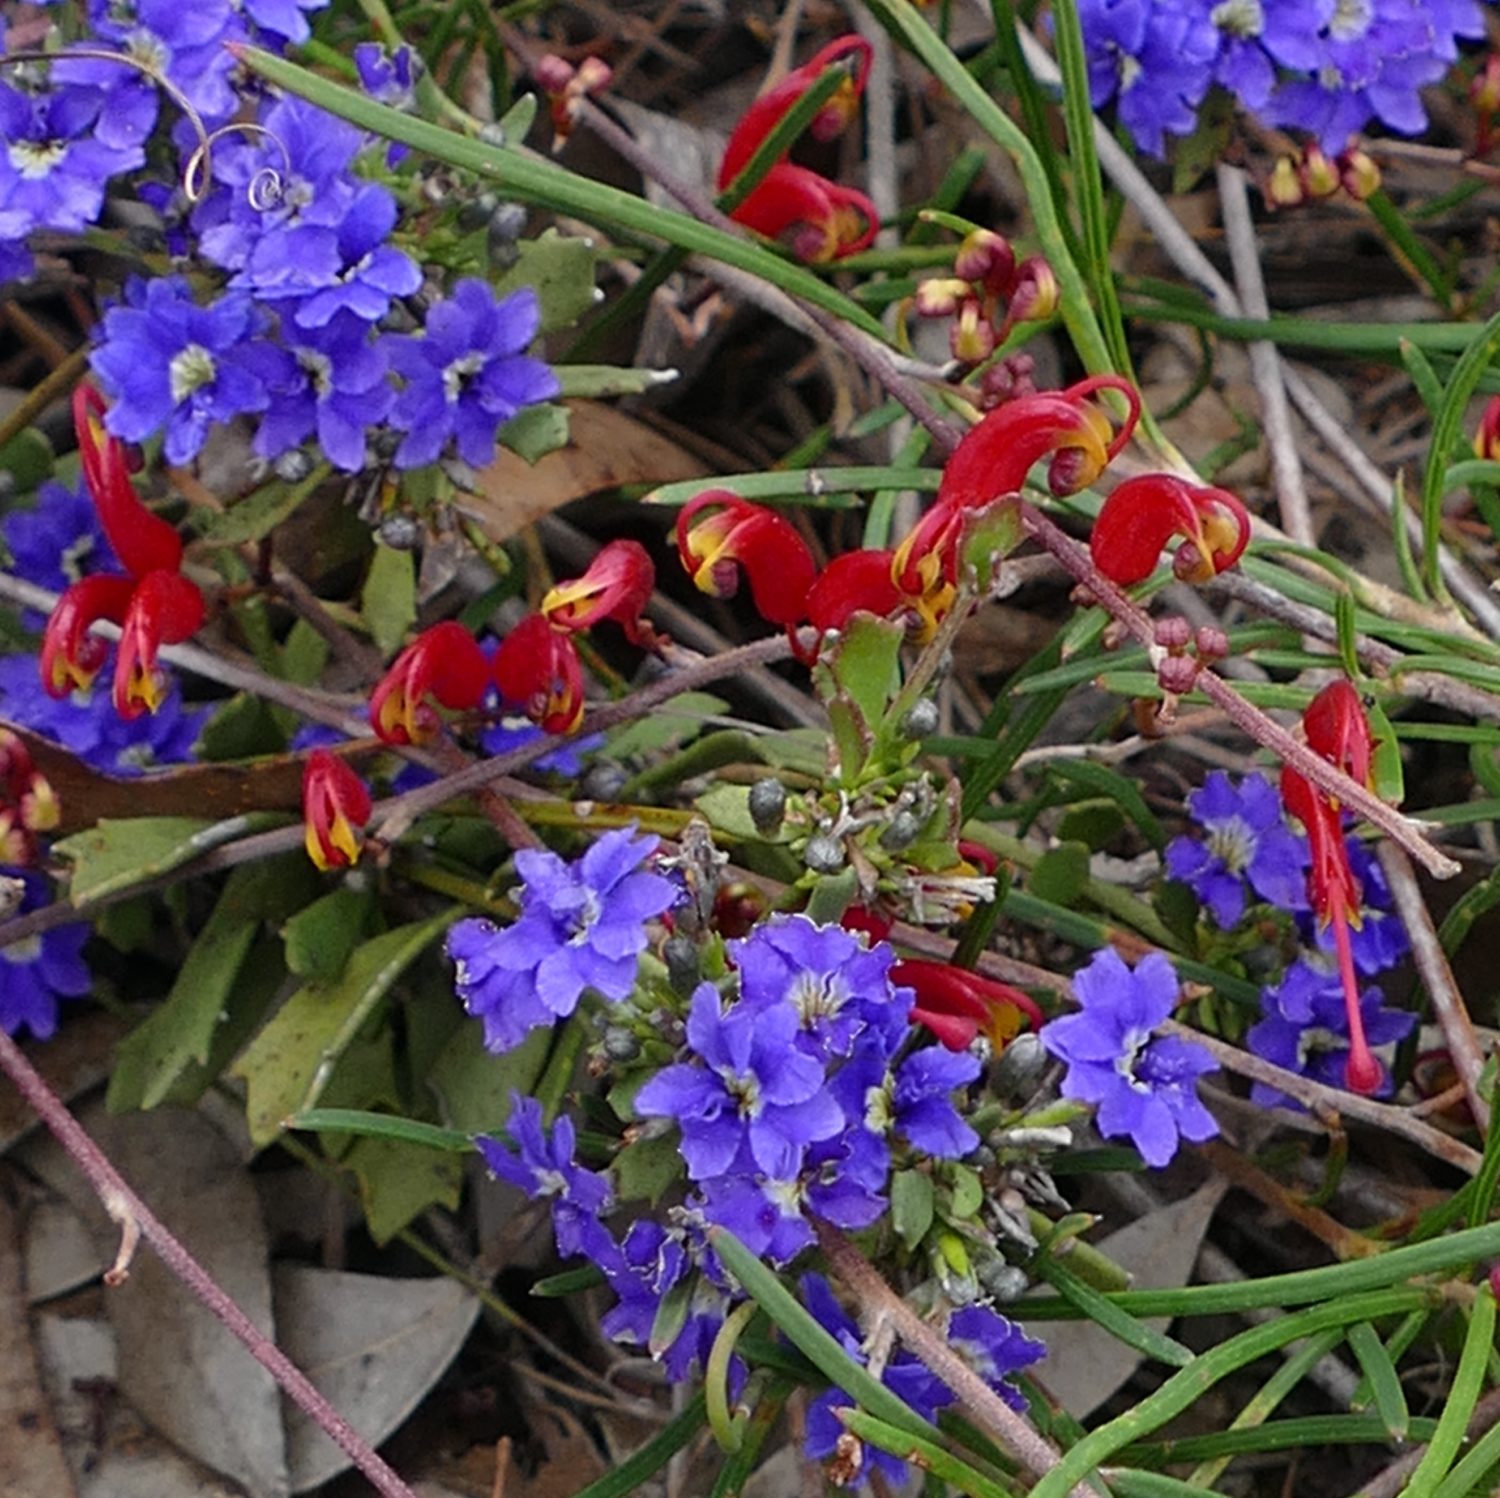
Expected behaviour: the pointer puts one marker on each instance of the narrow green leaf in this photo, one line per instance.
(1104, 1313)
(1463, 1394)
(382, 1126)
(810, 486)
(258, 513)
(1385, 1382)
(591, 381)
(644, 1464)
(928, 1455)
(820, 1346)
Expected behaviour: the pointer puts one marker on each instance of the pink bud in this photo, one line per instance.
(1173, 632)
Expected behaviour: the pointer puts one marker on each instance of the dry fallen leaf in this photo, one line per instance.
(31, 1453)
(1084, 1364)
(178, 1366)
(606, 448)
(373, 1345)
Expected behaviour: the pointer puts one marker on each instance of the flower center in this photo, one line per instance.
(745, 1090)
(1130, 70)
(28, 949)
(148, 49)
(459, 373)
(1233, 844)
(36, 159)
(1242, 18)
(1351, 19)
(190, 371)
(319, 370)
(1125, 1064)
(818, 996)
(586, 918)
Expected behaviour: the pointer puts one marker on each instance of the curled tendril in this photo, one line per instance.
(266, 186)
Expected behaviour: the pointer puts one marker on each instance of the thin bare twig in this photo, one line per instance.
(1384, 1116)
(1244, 715)
(1432, 963)
(1265, 364)
(126, 1208)
(878, 1301)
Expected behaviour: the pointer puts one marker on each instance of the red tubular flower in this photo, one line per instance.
(992, 462)
(857, 581)
(821, 220)
(443, 662)
(1145, 512)
(334, 802)
(765, 544)
(1339, 732)
(828, 221)
(851, 52)
(537, 667)
(864, 921)
(165, 609)
(617, 585)
(957, 1005)
(71, 656)
(143, 542)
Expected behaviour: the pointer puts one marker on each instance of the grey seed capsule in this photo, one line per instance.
(824, 854)
(921, 719)
(603, 781)
(620, 1044)
(901, 832)
(293, 466)
(399, 532)
(1020, 1067)
(767, 804)
(683, 969)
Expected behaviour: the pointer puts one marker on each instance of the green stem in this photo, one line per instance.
(1461, 1398)
(1184, 1389)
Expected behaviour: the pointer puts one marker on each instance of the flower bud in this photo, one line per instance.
(335, 803)
(1173, 632)
(901, 831)
(824, 854)
(1177, 674)
(683, 967)
(1006, 1282)
(971, 339)
(920, 720)
(603, 781)
(767, 805)
(1283, 189)
(1019, 1068)
(1010, 379)
(619, 1044)
(1484, 91)
(1487, 438)
(1036, 296)
(1359, 174)
(293, 466)
(1211, 643)
(986, 258)
(400, 532)
(941, 296)
(1318, 175)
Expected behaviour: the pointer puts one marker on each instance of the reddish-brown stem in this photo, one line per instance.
(879, 1302)
(1264, 730)
(133, 1215)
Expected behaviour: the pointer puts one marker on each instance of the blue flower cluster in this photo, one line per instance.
(673, 1296)
(1249, 848)
(52, 545)
(582, 925)
(1143, 1085)
(793, 1091)
(297, 336)
(1327, 67)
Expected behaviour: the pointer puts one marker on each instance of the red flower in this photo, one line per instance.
(444, 663)
(155, 604)
(617, 585)
(334, 802)
(1145, 512)
(958, 1005)
(857, 581)
(537, 667)
(1487, 438)
(991, 464)
(1338, 730)
(828, 220)
(738, 534)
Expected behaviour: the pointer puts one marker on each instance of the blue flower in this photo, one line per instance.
(466, 374)
(39, 970)
(838, 987)
(330, 381)
(1144, 1085)
(995, 1347)
(366, 274)
(544, 1167)
(166, 362)
(512, 733)
(582, 925)
(1379, 941)
(58, 540)
(1155, 57)
(1305, 1029)
(749, 1100)
(913, 1100)
(53, 170)
(1258, 36)
(88, 725)
(283, 20)
(386, 76)
(1248, 839)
